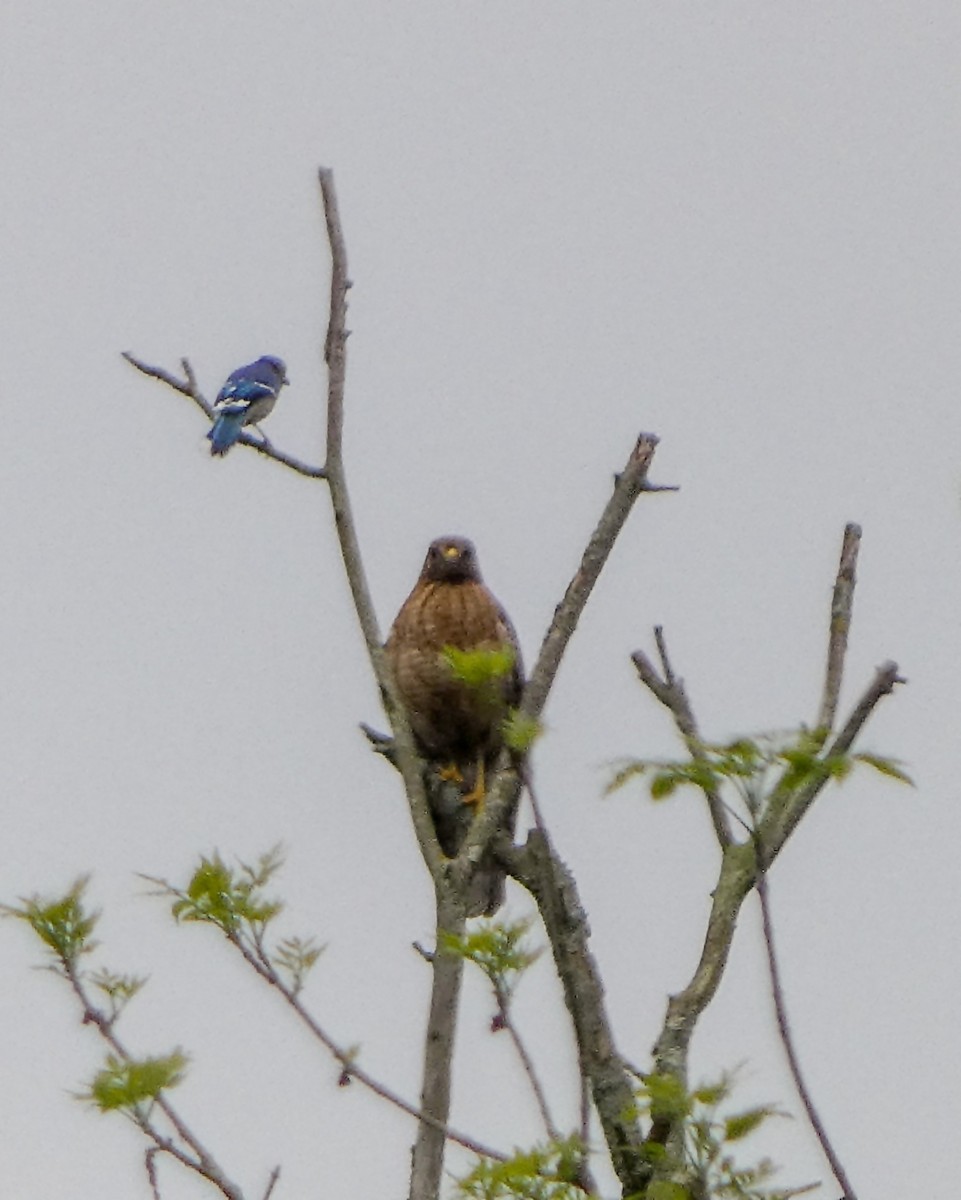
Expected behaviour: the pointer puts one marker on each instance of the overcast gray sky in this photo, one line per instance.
(734, 225)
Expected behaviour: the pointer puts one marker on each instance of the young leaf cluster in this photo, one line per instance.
(520, 731)
(125, 1083)
(64, 925)
(705, 1166)
(132, 1085)
(230, 898)
(234, 899)
(497, 948)
(118, 990)
(480, 668)
(757, 768)
(548, 1172)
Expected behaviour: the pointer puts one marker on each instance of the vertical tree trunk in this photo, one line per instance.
(428, 1155)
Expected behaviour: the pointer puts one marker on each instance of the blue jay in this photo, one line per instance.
(248, 396)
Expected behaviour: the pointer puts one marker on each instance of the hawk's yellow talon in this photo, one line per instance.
(479, 790)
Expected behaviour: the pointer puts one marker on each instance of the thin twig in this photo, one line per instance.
(149, 1157)
(842, 602)
(271, 1182)
(506, 1022)
(189, 388)
(260, 961)
(671, 693)
(787, 1041)
(585, 1111)
(528, 781)
(202, 1161)
(178, 385)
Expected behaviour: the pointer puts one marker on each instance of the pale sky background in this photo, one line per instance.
(734, 225)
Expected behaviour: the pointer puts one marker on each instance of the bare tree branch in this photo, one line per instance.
(427, 1161)
(151, 1165)
(178, 385)
(671, 693)
(407, 760)
(504, 1020)
(272, 1182)
(537, 867)
(629, 484)
(842, 603)
(188, 387)
(788, 1042)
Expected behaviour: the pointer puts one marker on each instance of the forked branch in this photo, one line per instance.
(781, 813)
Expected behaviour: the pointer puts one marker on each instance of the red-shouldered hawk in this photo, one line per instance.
(458, 724)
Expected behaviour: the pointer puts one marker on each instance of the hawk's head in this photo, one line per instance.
(451, 560)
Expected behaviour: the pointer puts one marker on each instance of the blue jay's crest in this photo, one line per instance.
(248, 396)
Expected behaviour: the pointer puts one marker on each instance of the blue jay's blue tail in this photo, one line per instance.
(226, 430)
(248, 396)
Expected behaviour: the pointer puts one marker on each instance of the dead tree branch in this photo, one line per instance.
(427, 1163)
(407, 760)
(670, 691)
(628, 485)
(842, 602)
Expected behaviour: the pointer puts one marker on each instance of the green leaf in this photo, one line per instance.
(666, 1097)
(521, 731)
(742, 1124)
(712, 1094)
(664, 1189)
(229, 898)
(542, 1173)
(664, 784)
(63, 925)
(886, 766)
(480, 668)
(130, 1083)
(498, 948)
